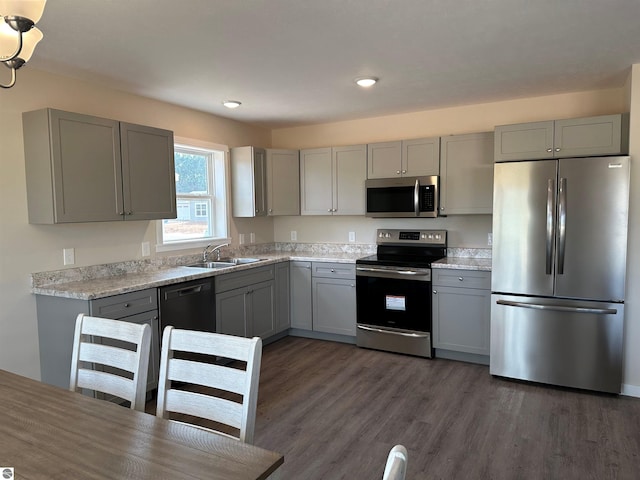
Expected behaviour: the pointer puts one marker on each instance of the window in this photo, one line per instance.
(201, 197)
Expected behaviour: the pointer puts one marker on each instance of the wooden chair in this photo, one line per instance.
(102, 363)
(396, 467)
(186, 395)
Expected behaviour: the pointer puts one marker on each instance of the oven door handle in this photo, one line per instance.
(401, 334)
(382, 270)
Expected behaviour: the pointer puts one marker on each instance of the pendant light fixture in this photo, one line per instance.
(18, 34)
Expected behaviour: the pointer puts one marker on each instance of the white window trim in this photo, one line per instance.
(201, 243)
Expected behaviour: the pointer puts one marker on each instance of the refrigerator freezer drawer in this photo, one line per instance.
(561, 342)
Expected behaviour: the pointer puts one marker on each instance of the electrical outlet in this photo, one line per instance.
(294, 235)
(490, 239)
(352, 236)
(241, 239)
(146, 251)
(69, 256)
(252, 237)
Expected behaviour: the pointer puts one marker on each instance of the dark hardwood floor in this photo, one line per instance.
(335, 410)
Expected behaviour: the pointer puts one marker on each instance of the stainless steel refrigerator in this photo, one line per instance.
(558, 271)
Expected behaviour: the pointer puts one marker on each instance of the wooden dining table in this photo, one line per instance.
(47, 432)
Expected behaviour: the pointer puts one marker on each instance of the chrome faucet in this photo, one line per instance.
(216, 249)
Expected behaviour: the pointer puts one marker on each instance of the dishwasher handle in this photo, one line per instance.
(184, 291)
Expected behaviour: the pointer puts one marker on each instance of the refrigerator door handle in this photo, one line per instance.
(562, 224)
(551, 221)
(559, 308)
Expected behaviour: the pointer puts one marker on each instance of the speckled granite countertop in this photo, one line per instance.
(463, 263)
(98, 281)
(108, 285)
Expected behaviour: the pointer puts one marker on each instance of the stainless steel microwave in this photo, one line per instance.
(402, 197)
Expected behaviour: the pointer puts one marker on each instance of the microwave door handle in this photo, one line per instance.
(416, 198)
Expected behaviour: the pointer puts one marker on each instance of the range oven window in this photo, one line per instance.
(395, 303)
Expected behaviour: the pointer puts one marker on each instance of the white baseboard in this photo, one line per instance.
(630, 390)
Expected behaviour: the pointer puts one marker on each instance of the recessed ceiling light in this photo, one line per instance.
(231, 103)
(366, 81)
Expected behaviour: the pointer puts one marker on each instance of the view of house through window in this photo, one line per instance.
(200, 197)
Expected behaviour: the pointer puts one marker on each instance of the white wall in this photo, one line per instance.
(26, 248)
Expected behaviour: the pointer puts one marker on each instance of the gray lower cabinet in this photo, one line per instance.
(301, 304)
(461, 303)
(245, 302)
(574, 137)
(283, 288)
(81, 168)
(334, 298)
(323, 297)
(56, 324)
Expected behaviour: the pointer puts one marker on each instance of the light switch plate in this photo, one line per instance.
(352, 236)
(241, 239)
(69, 256)
(294, 235)
(490, 239)
(252, 237)
(146, 251)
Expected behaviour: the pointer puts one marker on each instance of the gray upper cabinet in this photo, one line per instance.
(148, 172)
(332, 180)
(248, 181)
(81, 168)
(406, 158)
(576, 137)
(283, 182)
(466, 174)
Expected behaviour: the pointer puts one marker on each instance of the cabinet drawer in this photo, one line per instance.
(125, 305)
(334, 270)
(461, 278)
(229, 281)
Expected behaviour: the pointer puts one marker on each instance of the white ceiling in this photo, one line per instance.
(293, 62)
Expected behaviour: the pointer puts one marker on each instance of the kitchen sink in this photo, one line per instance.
(213, 265)
(243, 260)
(226, 263)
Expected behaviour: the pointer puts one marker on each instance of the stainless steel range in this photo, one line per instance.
(393, 291)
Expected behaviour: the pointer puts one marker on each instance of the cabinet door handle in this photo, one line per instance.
(404, 171)
(460, 278)
(333, 271)
(397, 172)
(126, 305)
(328, 210)
(435, 292)
(557, 149)
(549, 150)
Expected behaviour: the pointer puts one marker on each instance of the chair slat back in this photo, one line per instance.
(96, 361)
(220, 377)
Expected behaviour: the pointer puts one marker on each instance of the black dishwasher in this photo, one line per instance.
(188, 305)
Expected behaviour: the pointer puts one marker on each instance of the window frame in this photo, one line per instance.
(219, 186)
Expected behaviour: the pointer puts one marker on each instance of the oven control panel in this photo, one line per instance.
(411, 237)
